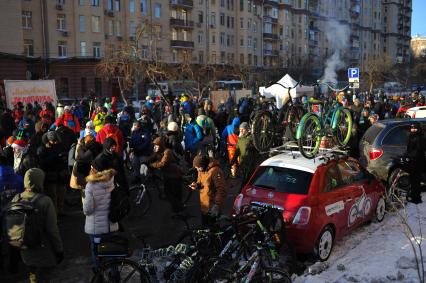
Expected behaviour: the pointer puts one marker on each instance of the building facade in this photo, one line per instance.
(418, 46)
(64, 39)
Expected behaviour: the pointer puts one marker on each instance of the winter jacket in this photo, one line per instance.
(97, 201)
(166, 161)
(86, 153)
(30, 128)
(114, 161)
(110, 129)
(69, 120)
(99, 121)
(53, 161)
(48, 113)
(141, 142)
(83, 133)
(125, 125)
(247, 153)
(173, 140)
(416, 152)
(192, 137)
(44, 256)
(229, 135)
(7, 123)
(188, 107)
(213, 187)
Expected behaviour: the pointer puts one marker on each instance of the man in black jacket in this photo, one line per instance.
(416, 155)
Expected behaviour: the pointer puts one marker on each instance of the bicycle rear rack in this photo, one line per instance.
(324, 153)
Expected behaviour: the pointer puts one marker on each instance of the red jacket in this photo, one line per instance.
(112, 131)
(69, 120)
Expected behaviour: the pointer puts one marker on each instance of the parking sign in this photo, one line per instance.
(353, 73)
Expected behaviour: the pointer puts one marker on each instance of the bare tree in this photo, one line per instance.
(376, 70)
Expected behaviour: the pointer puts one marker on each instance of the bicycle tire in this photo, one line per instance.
(310, 126)
(263, 131)
(293, 117)
(141, 208)
(344, 121)
(272, 275)
(128, 268)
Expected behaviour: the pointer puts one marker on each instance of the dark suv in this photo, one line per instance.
(383, 143)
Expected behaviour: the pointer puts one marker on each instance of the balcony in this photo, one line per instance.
(179, 23)
(182, 3)
(269, 19)
(268, 52)
(181, 44)
(273, 3)
(270, 36)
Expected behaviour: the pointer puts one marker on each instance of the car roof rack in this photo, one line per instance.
(326, 154)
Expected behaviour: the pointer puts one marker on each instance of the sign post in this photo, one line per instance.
(353, 77)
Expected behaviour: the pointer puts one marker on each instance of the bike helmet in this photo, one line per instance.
(201, 121)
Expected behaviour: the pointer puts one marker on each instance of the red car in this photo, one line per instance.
(322, 200)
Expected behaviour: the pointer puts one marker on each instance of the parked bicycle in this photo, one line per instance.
(269, 125)
(333, 121)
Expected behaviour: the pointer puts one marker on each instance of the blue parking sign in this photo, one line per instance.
(353, 73)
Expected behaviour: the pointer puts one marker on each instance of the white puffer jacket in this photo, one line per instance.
(97, 201)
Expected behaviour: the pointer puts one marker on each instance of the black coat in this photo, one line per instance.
(416, 152)
(114, 161)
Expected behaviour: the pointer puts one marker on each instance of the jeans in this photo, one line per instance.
(93, 246)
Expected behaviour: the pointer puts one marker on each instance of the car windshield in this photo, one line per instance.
(283, 180)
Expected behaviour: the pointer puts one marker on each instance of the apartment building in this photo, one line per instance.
(418, 46)
(64, 39)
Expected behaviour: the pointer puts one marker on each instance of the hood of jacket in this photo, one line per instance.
(102, 176)
(213, 163)
(236, 122)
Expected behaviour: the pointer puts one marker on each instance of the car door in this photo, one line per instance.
(335, 199)
(361, 204)
(394, 144)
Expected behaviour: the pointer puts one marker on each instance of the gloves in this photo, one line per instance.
(59, 257)
(214, 210)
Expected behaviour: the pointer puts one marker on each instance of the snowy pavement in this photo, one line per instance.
(377, 252)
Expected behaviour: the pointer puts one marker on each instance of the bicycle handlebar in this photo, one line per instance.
(330, 87)
(287, 87)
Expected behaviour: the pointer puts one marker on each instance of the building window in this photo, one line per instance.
(222, 19)
(110, 5)
(29, 47)
(213, 60)
(110, 27)
(242, 41)
(200, 17)
(222, 3)
(242, 59)
(222, 39)
(228, 40)
(95, 3)
(96, 24)
(143, 6)
(213, 38)
(232, 22)
(60, 22)
(96, 49)
(255, 60)
(200, 37)
(27, 21)
(62, 48)
(200, 57)
(81, 2)
(63, 87)
(241, 22)
(249, 42)
(118, 28)
(132, 6)
(228, 22)
(174, 34)
(83, 48)
(222, 57)
(144, 51)
(174, 56)
(241, 5)
(254, 43)
(249, 6)
(132, 28)
(83, 87)
(213, 20)
(98, 86)
(82, 23)
(249, 59)
(158, 54)
(117, 5)
(157, 10)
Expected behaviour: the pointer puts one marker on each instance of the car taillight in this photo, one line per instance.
(375, 153)
(302, 216)
(237, 203)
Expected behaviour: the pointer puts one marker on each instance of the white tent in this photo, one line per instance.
(281, 94)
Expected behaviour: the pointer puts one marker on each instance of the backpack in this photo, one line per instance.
(21, 225)
(119, 206)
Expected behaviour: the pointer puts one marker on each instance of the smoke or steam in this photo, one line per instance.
(337, 35)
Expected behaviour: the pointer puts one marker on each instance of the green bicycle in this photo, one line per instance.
(335, 121)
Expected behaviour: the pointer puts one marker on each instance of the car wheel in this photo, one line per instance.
(398, 184)
(324, 244)
(380, 210)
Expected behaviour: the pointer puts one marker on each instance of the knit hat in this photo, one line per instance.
(201, 161)
(67, 108)
(34, 179)
(244, 125)
(52, 136)
(19, 144)
(172, 127)
(100, 164)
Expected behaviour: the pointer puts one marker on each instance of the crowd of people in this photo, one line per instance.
(47, 150)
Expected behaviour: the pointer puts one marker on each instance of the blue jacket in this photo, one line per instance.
(11, 181)
(192, 137)
(229, 130)
(31, 128)
(141, 145)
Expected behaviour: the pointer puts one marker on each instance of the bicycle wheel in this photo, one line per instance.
(140, 199)
(272, 275)
(263, 131)
(292, 119)
(120, 270)
(310, 138)
(342, 127)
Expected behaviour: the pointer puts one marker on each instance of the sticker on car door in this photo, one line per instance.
(334, 208)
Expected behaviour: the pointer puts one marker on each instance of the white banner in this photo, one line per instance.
(30, 91)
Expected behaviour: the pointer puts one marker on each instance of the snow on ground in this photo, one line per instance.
(377, 252)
